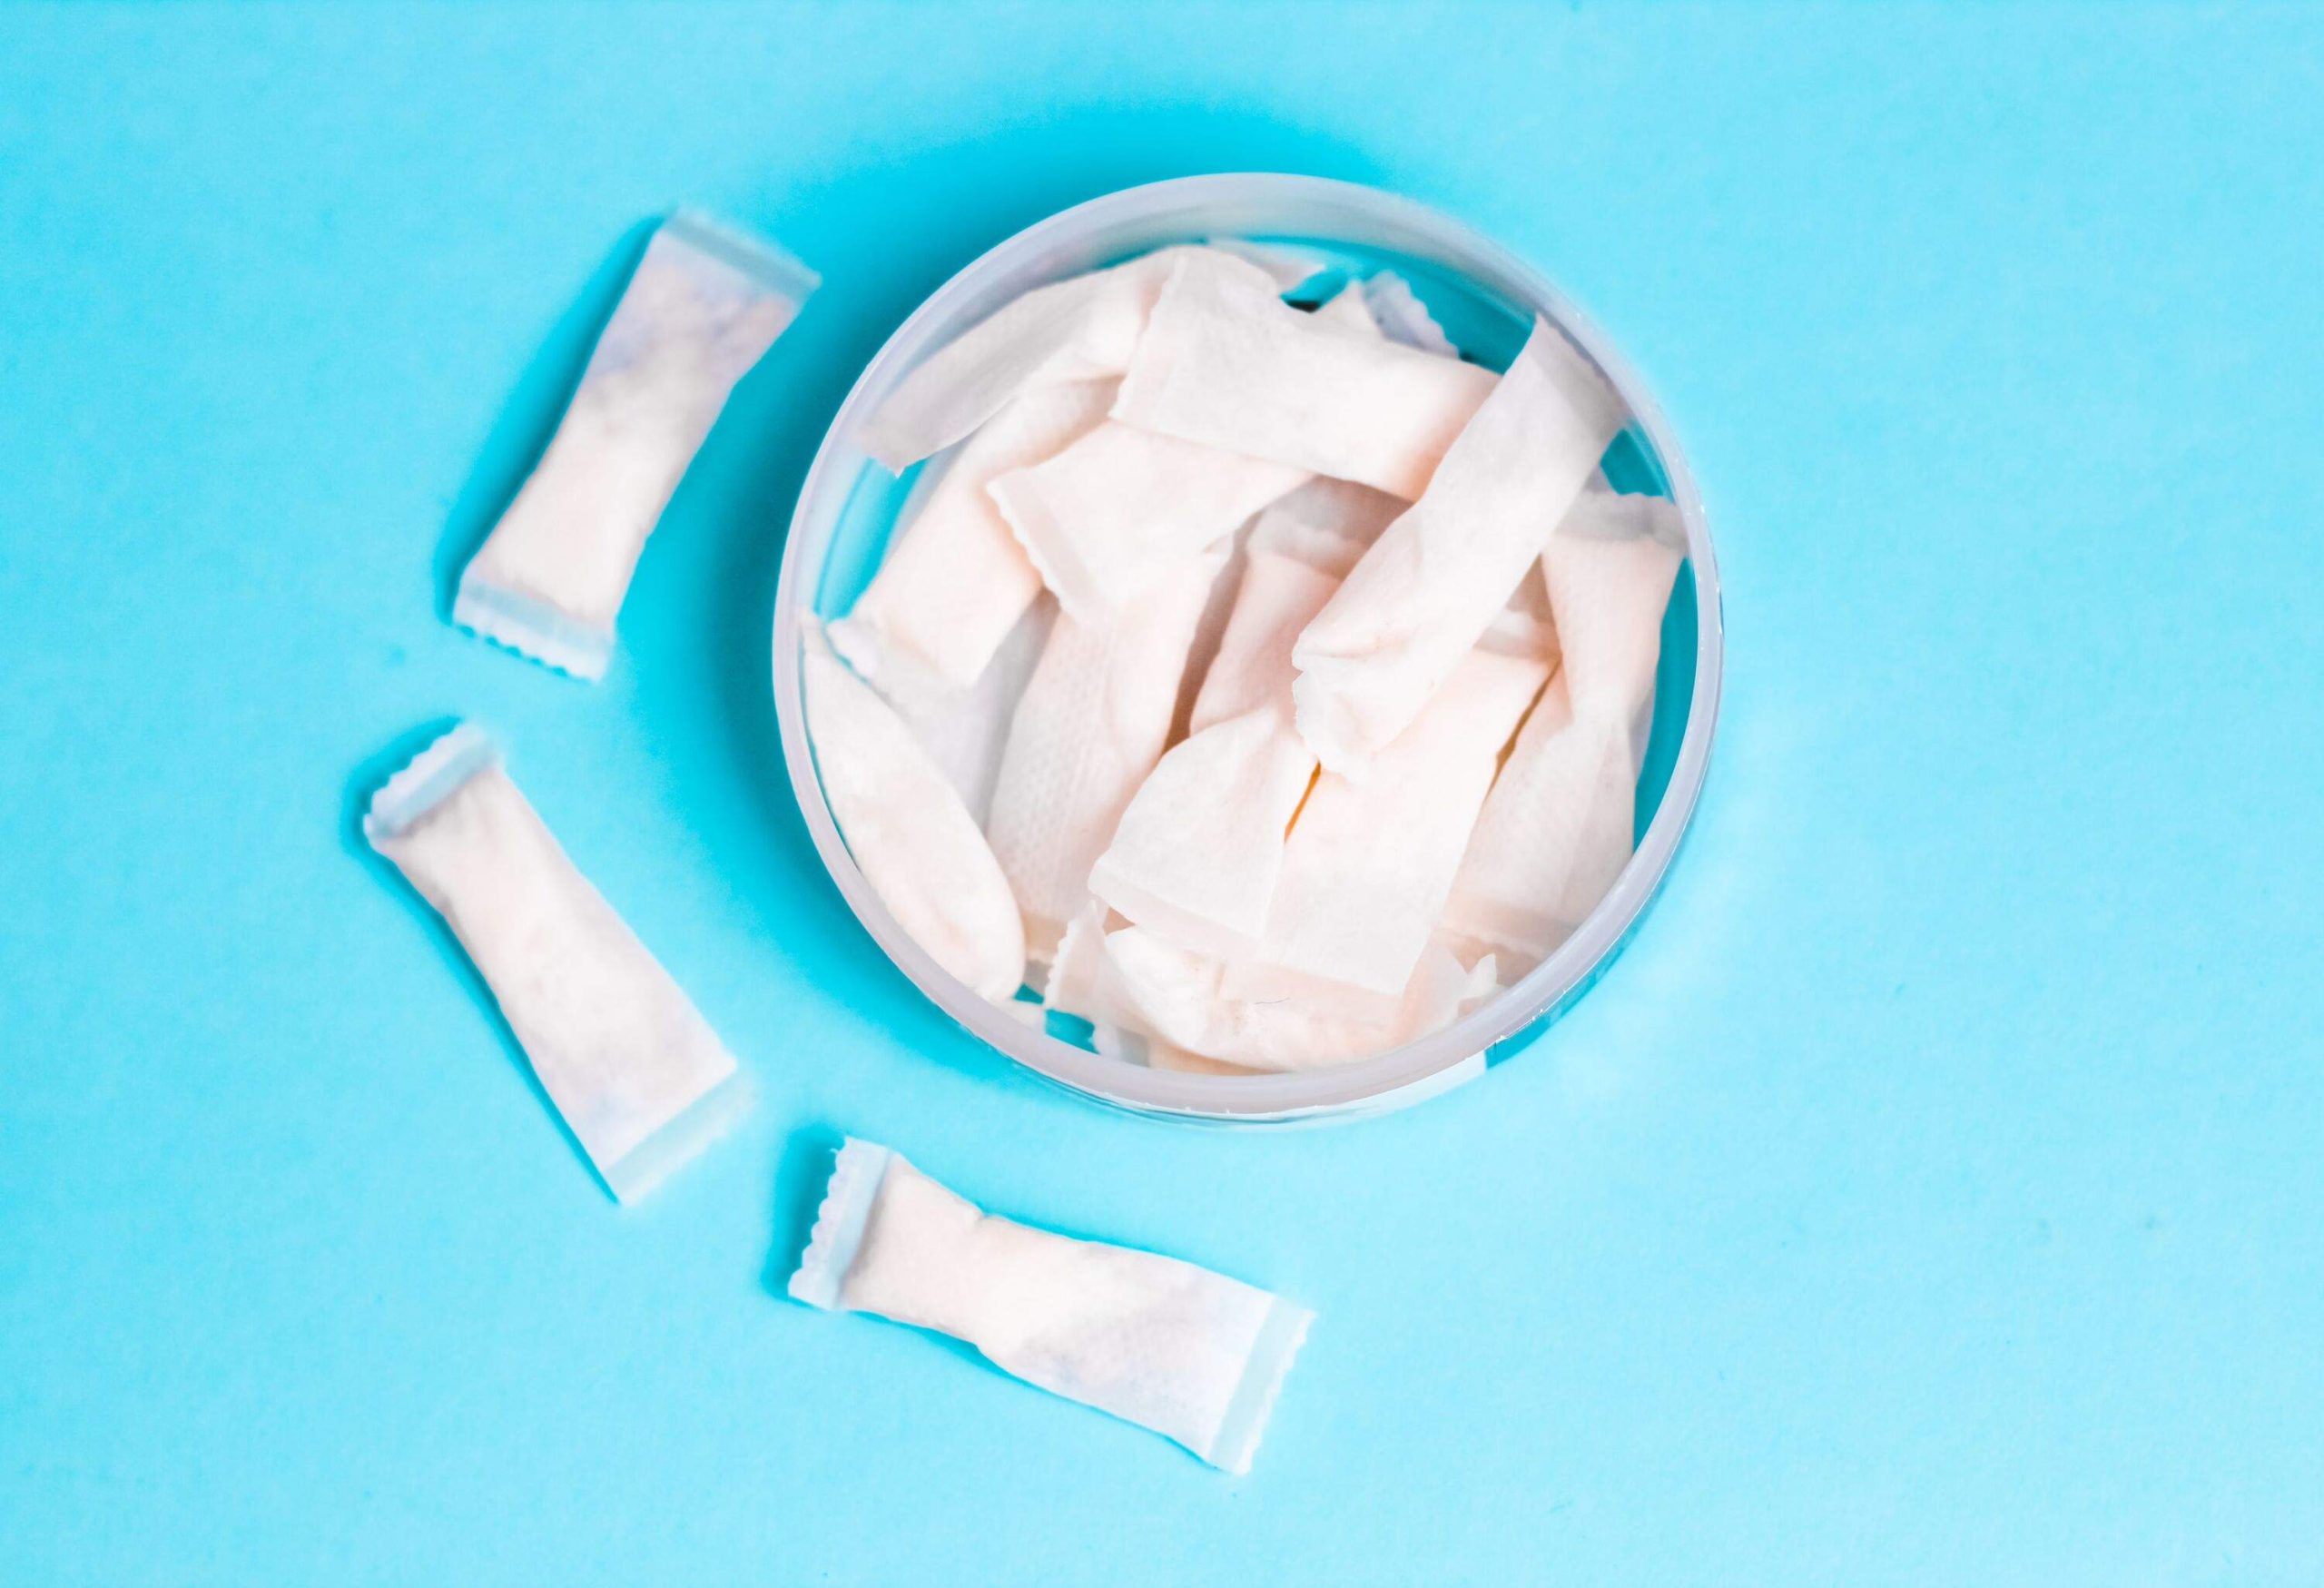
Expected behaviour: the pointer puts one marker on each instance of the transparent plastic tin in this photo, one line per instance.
(1486, 299)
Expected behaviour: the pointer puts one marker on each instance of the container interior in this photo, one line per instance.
(851, 506)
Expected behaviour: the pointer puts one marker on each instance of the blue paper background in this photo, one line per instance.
(1933, 1195)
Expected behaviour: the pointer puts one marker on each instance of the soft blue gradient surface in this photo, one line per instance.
(1932, 1195)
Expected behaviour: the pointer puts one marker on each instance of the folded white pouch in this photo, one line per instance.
(1402, 317)
(1418, 601)
(964, 732)
(1553, 834)
(1104, 514)
(1368, 865)
(1083, 328)
(1327, 524)
(1609, 571)
(1102, 518)
(1226, 363)
(1326, 514)
(1523, 627)
(1195, 855)
(641, 1079)
(1192, 1355)
(1134, 979)
(955, 581)
(1079, 982)
(1091, 726)
(704, 306)
(1558, 827)
(910, 835)
(1278, 597)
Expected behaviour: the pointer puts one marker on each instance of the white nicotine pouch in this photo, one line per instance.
(1190, 1354)
(1327, 524)
(1554, 835)
(910, 835)
(1091, 724)
(1195, 855)
(1083, 328)
(641, 1079)
(955, 582)
(1102, 518)
(704, 306)
(1558, 828)
(1226, 363)
(1184, 1003)
(1367, 866)
(1610, 569)
(1436, 578)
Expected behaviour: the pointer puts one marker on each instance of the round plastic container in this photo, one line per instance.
(1486, 299)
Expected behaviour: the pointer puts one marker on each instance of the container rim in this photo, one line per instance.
(1229, 204)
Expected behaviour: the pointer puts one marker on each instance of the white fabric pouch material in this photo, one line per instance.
(1328, 524)
(1102, 518)
(1278, 597)
(1083, 328)
(1091, 726)
(1196, 855)
(639, 1077)
(964, 732)
(1523, 627)
(1609, 571)
(1367, 866)
(910, 835)
(1554, 835)
(704, 306)
(1226, 363)
(1183, 1004)
(1429, 587)
(1190, 1354)
(1558, 828)
(955, 581)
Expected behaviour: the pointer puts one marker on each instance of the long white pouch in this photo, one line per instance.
(913, 839)
(1083, 328)
(1279, 593)
(955, 581)
(1328, 524)
(642, 1080)
(1558, 827)
(1367, 867)
(1192, 1355)
(1321, 504)
(1554, 835)
(1421, 597)
(704, 306)
(1226, 363)
(1091, 724)
(1104, 516)
(1610, 571)
(1196, 855)
(1133, 980)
